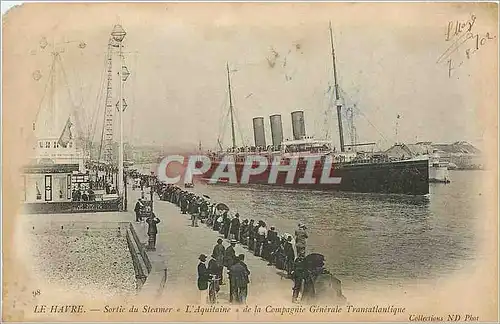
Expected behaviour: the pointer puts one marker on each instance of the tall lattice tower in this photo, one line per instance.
(107, 155)
(114, 49)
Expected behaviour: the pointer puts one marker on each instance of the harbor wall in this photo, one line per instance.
(72, 207)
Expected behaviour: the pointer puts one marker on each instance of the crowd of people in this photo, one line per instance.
(285, 252)
(82, 194)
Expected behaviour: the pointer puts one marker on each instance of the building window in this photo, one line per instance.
(38, 192)
(62, 188)
(68, 185)
(40, 143)
(54, 144)
(47, 144)
(70, 144)
(48, 188)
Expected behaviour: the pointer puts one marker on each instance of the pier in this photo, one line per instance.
(169, 274)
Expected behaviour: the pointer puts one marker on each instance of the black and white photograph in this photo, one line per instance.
(250, 161)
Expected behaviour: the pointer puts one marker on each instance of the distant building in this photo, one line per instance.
(462, 154)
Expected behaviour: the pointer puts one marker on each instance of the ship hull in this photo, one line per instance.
(403, 177)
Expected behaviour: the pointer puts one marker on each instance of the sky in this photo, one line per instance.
(280, 61)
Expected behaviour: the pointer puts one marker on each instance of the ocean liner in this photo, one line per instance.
(364, 172)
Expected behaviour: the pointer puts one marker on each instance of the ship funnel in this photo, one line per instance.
(298, 125)
(259, 133)
(276, 129)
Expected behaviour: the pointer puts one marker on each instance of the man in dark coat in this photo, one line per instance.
(218, 253)
(272, 245)
(226, 225)
(225, 219)
(241, 259)
(235, 227)
(230, 255)
(214, 272)
(137, 209)
(289, 255)
(184, 204)
(238, 278)
(213, 266)
(279, 255)
(251, 235)
(217, 221)
(244, 232)
(195, 211)
(229, 260)
(300, 239)
(203, 278)
(298, 275)
(152, 231)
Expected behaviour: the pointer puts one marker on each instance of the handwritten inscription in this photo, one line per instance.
(465, 43)
(456, 28)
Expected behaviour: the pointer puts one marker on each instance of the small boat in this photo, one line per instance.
(438, 170)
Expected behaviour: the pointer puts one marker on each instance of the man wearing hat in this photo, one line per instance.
(153, 222)
(238, 281)
(289, 255)
(244, 232)
(203, 278)
(300, 240)
(214, 271)
(229, 260)
(218, 253)
(137, 209)
(235, 227)
(298, 275)
(230, 255)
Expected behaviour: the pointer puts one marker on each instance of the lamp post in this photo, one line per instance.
(118, 34)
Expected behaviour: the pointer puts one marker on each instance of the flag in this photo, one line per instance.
(66, 135)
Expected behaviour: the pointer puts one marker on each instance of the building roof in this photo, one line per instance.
(457, 147)
(422, 148)
(50, 168)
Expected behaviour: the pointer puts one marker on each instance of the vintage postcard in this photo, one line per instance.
(222, 162)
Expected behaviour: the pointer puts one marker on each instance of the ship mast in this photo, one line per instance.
(231, 106)
(337, 96)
